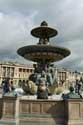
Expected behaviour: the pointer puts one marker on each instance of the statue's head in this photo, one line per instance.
(44, 23)
(71, 89)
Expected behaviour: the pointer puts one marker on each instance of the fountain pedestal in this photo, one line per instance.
(10, 111)
(23, 111)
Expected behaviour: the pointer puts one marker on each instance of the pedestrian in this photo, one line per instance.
(6, 86)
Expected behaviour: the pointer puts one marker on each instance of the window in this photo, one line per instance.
(12, 72)
(8, 71)
(4, 72)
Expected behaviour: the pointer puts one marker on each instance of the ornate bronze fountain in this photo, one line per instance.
(43, 52)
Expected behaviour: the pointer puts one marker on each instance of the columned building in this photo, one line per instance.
(20, 72)
(68, 77)
(16, 72)
(62, 76)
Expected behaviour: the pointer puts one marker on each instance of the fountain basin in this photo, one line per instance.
(43, 53)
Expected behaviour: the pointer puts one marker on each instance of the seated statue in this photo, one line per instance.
(71, 94)
(42, 91)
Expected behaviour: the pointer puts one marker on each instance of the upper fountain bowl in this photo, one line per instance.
(43, 31)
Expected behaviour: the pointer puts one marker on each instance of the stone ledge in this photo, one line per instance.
(7, 121)
(75, 122)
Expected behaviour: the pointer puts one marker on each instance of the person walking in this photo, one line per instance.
(6, 86)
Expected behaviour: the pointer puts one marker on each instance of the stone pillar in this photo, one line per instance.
(74, 112)
(10, 112)
(1, 107)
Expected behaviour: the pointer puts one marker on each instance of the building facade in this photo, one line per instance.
(20, 72)
(67, 77)
(16, 72)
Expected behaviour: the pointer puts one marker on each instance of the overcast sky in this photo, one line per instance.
(18, 17)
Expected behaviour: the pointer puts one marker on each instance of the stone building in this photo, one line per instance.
(67, 77)
(20, 72)
(16, 72)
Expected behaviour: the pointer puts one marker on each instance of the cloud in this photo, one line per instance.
(18, 17)
(14, 33)
(75, 60)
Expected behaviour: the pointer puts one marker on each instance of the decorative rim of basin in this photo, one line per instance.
(44, 32)
(43, 53)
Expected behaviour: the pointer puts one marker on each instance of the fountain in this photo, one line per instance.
(43, 53)
(16, 110)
